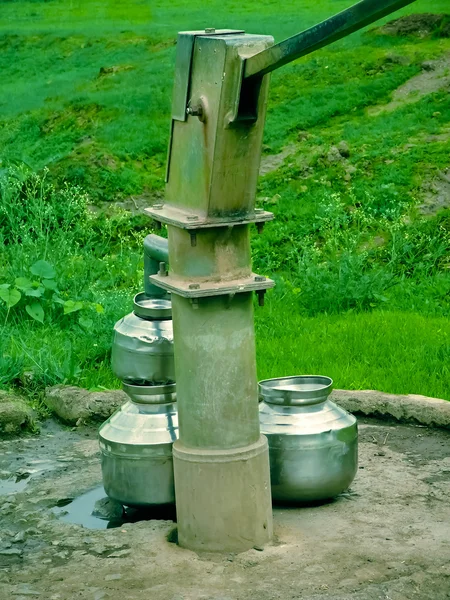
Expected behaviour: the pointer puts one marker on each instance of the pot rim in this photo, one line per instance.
(296, 389)
(150, 394)
(152, 308)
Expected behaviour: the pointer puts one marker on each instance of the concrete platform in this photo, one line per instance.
(388, 537)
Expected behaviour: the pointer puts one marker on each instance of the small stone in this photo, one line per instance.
(11, 552)
(19, 538)
(344, 149)
(113, 577)
(120, 554)
(99, 595)
(9, 533)
(24, 590)
(15, 414)
(6, 545)
(259, 548)
(71, 403)
(428, 65)
(105, 508)
(334, 155)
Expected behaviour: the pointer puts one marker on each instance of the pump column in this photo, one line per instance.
(221, 461)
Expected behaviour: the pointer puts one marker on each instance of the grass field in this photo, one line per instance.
(362, 270)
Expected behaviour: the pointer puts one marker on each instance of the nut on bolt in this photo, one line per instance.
(260, 278)
(197, 109)
(162, 269)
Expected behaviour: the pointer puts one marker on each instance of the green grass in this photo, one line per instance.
(393, 351)
(109, 133)
(363, 286)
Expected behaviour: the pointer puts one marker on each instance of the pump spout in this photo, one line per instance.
(349, 20)
(156, 250)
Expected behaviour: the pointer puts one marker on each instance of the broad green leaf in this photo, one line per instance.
(50, 284)
(35, 311)
(43, 269)
(5, 286)
(71, 306)
(23, 283)
(99, 308)
(57, 299)
(86, 323)
(10, 296)
(35, 293)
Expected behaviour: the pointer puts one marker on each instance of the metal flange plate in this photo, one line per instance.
(188, 289)
(171, 215)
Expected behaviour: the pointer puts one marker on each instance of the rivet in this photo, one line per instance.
(157, 206)
(162, 269)
(258, 211)
(210, 30)
(259, 278)
(194, 286)
(192, 217)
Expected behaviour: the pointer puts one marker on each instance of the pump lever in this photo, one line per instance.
(349, 20)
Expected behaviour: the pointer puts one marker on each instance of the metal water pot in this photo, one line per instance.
(142, 349)
(313, 443)
(136, 447)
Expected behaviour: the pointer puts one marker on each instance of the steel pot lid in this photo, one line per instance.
(151, 308)
(150, 394)
(296, 390)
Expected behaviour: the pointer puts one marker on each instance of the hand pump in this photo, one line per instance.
(218, 111)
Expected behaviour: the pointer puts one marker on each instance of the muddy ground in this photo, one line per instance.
(387, 538)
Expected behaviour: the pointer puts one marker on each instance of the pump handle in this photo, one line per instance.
(349, 20)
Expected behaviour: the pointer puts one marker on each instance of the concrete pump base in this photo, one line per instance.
(223, 497)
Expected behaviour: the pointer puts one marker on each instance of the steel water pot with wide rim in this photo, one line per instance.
(136, 447)
(142, 349)
(313, 443)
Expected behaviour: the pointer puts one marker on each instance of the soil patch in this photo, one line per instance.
(419, 25)
(435, 76)
(436, 194)
(386, 537)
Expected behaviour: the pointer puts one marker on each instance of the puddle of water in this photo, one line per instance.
(80, 511)
(11, 485)
(17, 481)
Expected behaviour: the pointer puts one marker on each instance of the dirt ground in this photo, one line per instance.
(387, 538)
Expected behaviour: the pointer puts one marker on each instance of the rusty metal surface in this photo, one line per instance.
(214, 161)
(336, 27)
(172, 215)
(182, 287)
(185, 49)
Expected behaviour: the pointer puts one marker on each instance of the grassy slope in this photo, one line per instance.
(109, 134)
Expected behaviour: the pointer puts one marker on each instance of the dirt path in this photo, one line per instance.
(386, 538)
